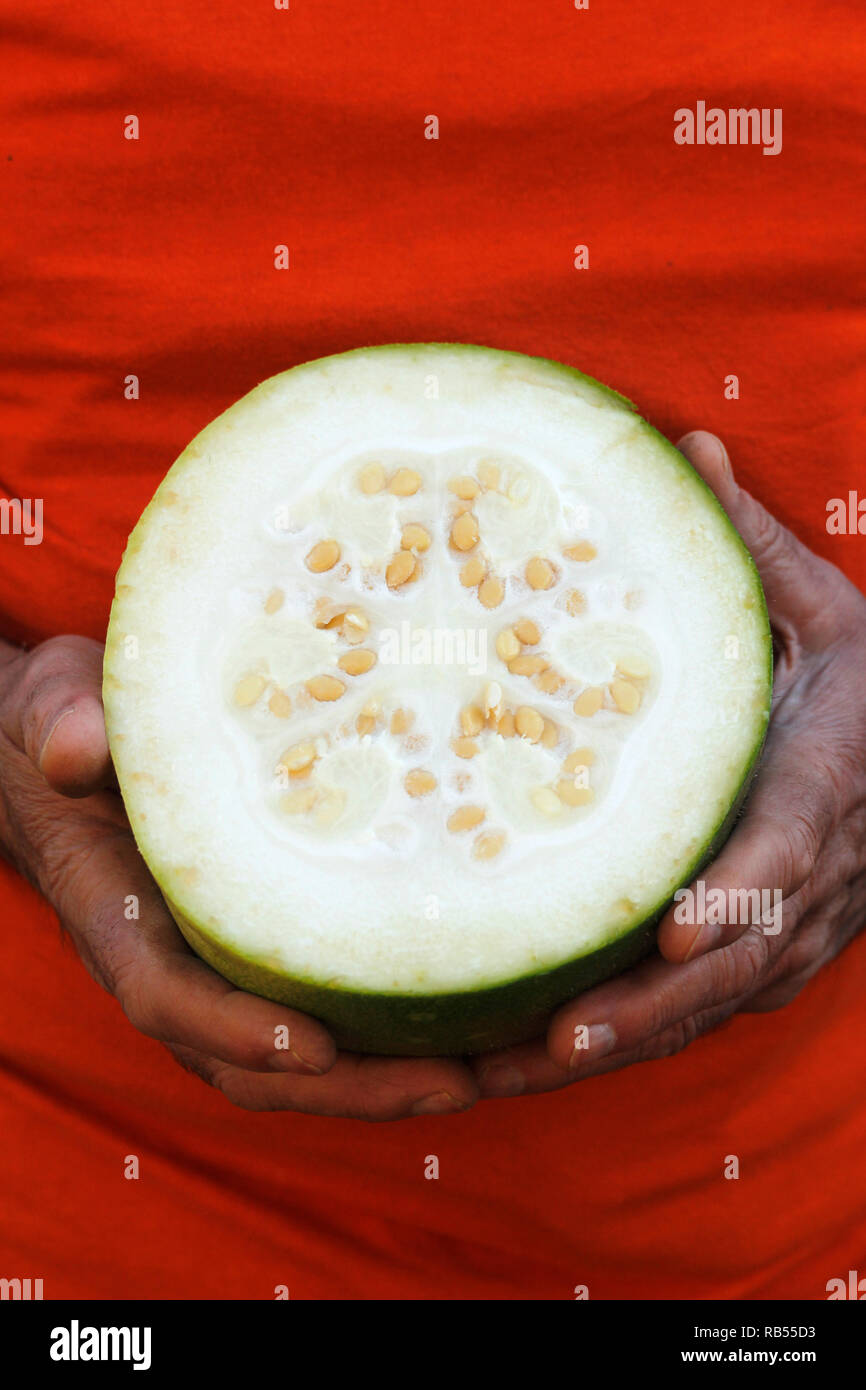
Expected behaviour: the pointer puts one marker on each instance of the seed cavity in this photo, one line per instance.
(589, 702)
(325, 688)
(420, 782)
(248, 690)
(323, 556)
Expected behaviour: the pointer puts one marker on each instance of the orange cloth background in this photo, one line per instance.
(155, 257)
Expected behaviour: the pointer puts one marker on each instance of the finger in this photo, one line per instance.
(768, 860)
(164, 989)
(356, 1088)
(651, 999)
(51, 710)
(801, 589)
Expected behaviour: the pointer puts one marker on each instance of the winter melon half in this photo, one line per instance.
(432, 672)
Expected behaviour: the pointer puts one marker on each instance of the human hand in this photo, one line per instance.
(803, 832)
(63, 824)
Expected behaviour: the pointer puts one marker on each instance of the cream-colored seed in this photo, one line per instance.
(405, 482)
(464, 747)
(550, 682)
(330, 805)
(356, 662)
(626, 696)
(280, 704)
(488, 475)
(402, 721)
(355, 627)
(539, 573)
(274, 601)
(298, 800)
(527, 632)
(401, 568)
(465, 488)
(573, 795)
(365, 724)
(471, 720)
(415, 537)
(464, 532)
(545, 800)
(529, 723)
(492, 592)
(581, 757)
(372, 478)
(299, 756)
(550, 736)
(325, 688)
(248, 690)
(634, 666)
(527, 665)
(472, 572)
(581, 550)
(505, 727)
(323, 556)
(419, 782)
(575, 602)
(589, 701)
(489, 844)
(507, 644)
(465, 818)
(492, 696)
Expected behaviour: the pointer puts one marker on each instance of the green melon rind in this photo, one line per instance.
(503, 1013)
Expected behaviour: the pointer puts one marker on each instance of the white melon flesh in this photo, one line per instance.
(362, 784)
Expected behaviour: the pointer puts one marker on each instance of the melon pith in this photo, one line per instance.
(432, 672)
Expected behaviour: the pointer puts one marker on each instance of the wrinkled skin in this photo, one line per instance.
(62, 823)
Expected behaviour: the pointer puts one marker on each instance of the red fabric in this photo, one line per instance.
(261, 126)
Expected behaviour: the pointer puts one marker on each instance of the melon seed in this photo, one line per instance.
(275, 599)
(550, 681)
(464, 532)
(507, 645)
(372, 478)
(280, 704)
(546, 801)
(325, 688)
(415, 537)
(539, 573)
(633, 665)
(464, 747)
(527, 632)
(465, 488)
(419, 782)
(465, 818)
(525, 665)
(572, 794)
(323, 556)
(488, 845)
(248, 690)
(505, 727)
(581, 550)
(581, 757)
(298, 757)
(471, 720)
(356, 662)
(529, 723)
(401, 721)
(405, 482)
(626, 696)
(492, 592)
(472, 572)
(550, 736)
(589, 701)
(401, 568)
(488, 475)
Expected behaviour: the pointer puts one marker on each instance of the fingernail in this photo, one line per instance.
(598, 1040)
(286, 1059)
(726, 462)
(501, 1081)
(51, 732)
(439, 1103)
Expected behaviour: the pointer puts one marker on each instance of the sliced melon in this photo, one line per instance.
(432, 672)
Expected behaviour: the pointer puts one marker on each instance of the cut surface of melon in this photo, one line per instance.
(432, 672)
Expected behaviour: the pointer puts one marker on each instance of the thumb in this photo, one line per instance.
(51, 710)
(798, 584)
